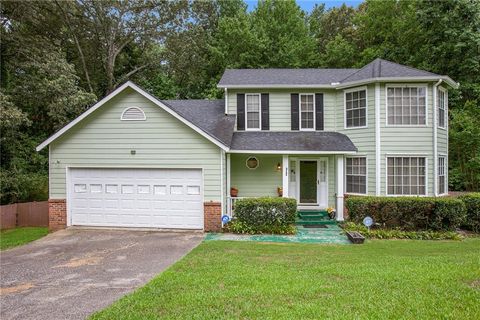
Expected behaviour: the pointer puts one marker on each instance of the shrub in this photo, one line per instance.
(237, 226)
(264, 215)
(472, 204)
(378, 233)
(408, 213)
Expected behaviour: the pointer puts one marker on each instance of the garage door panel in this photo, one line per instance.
(159, 198)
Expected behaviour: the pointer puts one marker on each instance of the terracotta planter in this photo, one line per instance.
(233, 192)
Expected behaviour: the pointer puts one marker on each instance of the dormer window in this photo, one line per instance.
(133, 114)
(252, 107)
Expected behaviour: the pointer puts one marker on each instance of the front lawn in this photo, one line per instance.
(395, 279)
(18, 236)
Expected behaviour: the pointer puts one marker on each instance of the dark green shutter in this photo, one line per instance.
(319, 112)
(265, 111)
(240, 111)
(294, 111)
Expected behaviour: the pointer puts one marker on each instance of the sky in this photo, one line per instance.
(307, 5)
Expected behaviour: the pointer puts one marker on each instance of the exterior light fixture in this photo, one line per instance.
(279, 167)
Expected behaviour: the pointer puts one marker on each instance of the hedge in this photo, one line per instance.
(472, 203)
(409, 213)
(377, 233)
(265, 215)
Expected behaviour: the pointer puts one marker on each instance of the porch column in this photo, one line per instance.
(340, 188)
(228, 186)
(285, 175)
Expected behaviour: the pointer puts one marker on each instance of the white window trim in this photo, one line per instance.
(345, 107)
(300, 112)
(366, 175)
(445, 105)
(414, 155)
(259, 112)
(406, 85)
(133, 107)
(445, 191)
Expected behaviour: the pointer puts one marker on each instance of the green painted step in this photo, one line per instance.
(313, 217)
(312, 212)
(303, 222)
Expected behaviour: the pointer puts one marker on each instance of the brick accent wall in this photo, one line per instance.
(212, 216)
(57, 214)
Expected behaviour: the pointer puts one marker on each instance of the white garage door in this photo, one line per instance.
(148, 198)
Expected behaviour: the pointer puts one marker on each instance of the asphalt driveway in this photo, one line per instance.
(72, 273)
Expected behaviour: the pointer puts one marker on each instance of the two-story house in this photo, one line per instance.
(316, 135)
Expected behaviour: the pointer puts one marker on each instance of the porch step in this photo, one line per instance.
(308, 215)
(301, 222)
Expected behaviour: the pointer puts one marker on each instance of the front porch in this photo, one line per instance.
(316, 181)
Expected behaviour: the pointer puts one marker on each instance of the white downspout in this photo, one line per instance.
(435, 146)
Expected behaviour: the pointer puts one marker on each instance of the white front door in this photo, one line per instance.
(148, 198)
(312, 183)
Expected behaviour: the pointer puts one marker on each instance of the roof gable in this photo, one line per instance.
(157, 102)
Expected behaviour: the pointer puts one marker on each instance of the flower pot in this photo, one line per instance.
(233, 192)
(280, 191)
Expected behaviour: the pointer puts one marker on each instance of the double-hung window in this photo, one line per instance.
(406, 175)
(442, 175)
(307, 112)
(252, 102)
(442, 107)
(406, 106)
(356, 109)
(356, 175)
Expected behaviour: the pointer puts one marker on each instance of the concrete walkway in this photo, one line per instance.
(72, 273)
(331, 234)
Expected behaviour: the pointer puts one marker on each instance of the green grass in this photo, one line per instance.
(18, 236)
(394, 279)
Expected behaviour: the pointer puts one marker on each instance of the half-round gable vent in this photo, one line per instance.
(133, 113)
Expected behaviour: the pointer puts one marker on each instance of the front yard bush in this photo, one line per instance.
(264, 215)
(472, 204)
(379, 233)
(409, 213)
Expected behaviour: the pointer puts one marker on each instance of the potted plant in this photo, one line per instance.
(233, 192)
(331, 212)
(280, 191)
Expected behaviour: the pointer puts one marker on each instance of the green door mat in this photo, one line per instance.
(331, 234)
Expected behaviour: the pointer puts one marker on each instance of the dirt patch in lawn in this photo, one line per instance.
(16, 289)
(475, 284)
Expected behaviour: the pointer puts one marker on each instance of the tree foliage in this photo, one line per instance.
(57, 57)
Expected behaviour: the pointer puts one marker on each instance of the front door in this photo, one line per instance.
(308, 181)
(313, 186)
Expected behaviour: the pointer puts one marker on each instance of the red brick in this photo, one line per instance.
(212, 216)
(57, 214)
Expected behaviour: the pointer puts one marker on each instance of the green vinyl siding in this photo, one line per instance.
(408, 140)
(442, 134)
(103, 140)
(362, 138)
(265, 180)
(259, 182)
(280, 106)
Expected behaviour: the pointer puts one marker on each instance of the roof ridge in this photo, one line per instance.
(358, 70)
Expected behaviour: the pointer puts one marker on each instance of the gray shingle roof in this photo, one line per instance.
(380, 68)
(208, 115)
(283, 76)
(292, 141)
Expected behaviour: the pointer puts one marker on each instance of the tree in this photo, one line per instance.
(465, 147)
